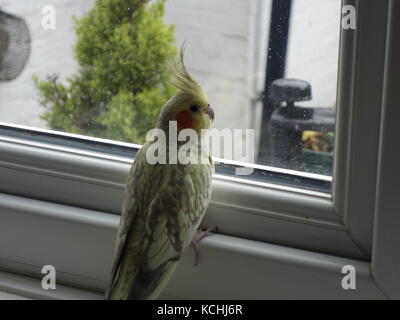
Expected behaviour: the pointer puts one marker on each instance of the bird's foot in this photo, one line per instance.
(200, 235)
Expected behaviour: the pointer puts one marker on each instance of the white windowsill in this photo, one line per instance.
(276, 273)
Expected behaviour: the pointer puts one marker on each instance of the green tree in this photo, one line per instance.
(123, 51)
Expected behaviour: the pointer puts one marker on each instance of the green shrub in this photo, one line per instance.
(123, 51)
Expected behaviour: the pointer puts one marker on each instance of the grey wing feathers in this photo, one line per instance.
(160, 227)
(128, 214)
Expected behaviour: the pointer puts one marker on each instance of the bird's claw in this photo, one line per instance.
(200, 235)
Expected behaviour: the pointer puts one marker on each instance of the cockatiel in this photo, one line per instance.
(164, 203)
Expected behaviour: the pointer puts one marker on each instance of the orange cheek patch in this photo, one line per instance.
(185, 120)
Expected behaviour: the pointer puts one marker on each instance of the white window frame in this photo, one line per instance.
(55, 203)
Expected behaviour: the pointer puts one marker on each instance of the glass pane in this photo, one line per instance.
(106, 75)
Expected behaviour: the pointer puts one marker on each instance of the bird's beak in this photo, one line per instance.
(210, 112)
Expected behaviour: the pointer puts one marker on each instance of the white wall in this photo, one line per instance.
(51, 51)
(313, 49)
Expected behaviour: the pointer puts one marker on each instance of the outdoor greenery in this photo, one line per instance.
(123, 51)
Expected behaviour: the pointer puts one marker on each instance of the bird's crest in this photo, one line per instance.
(184, 82)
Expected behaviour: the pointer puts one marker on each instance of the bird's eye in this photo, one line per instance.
(194, 108)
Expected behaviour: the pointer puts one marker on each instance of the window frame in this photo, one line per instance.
(258, 215)
(385, 264)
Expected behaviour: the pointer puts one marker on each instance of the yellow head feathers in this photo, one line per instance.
(184, 82)
(189, 107)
